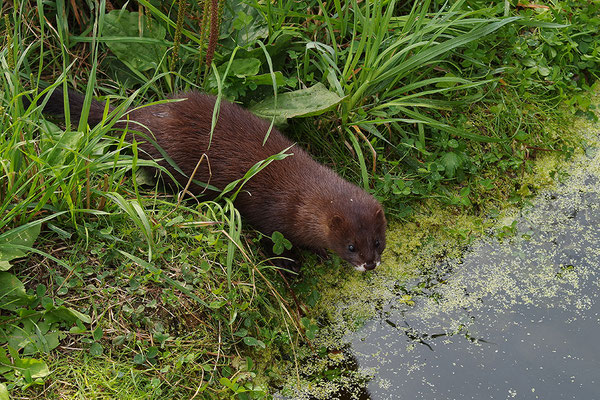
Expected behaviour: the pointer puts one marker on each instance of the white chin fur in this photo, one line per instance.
(360, 267)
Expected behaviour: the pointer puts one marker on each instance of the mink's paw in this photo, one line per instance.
(290, 267)
(322, 254)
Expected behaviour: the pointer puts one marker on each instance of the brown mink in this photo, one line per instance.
(307, 202)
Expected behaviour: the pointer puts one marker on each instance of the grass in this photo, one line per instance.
(116, 289)
(136, 279)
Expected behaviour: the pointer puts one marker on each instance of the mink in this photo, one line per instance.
(312, 206)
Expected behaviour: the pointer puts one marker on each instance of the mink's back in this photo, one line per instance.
(269, 200)
(183, 130)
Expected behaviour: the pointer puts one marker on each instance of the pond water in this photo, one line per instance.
(513, 318)
(516, 317)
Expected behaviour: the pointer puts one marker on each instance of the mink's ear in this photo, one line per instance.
(380, 216)
(336, 222)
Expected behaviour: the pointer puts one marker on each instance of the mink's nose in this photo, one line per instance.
(370, 266)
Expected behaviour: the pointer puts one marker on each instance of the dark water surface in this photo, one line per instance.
(517, 318)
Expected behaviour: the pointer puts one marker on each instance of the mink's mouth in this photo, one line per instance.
(360, 268)
(365, 266)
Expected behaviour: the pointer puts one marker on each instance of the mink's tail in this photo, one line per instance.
(55, 107)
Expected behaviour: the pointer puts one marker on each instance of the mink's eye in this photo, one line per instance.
(351, 248)
(377, 243)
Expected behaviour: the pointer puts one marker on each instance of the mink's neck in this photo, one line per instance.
(313, 215)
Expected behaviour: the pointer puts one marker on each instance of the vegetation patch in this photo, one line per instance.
(111, 287)
(423, 275)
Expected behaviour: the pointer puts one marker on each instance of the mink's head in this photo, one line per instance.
(357, 232)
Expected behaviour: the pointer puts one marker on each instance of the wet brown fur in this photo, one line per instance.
(309, 203)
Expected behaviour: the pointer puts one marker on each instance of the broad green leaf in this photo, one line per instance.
(12, 291)
(19, 339)
(32, 342)
(52, 340)
(82, 317)
(161, 337)
(227, 383)
(217, 304)
(97, 333)
(63, 313)
(152, 352)
(139, 358)
(22, 236)
(126, 25)
(96, 349)
(36, 368)
(242, 25)
(267, 79)
(250, 341)
(119, 340)
(300, 103)
(245, 67)
(68, 143)
(145, 176)
(3, 392)
(242, 332)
